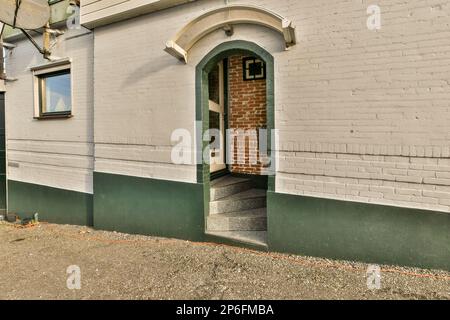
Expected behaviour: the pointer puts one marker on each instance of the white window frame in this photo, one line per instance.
(47, 69)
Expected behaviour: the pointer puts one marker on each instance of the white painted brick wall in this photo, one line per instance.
(362, 115)
(142, 94)
(57, 153)
(404, 181)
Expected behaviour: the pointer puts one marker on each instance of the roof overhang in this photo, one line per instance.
(225, 17)
(97, 13)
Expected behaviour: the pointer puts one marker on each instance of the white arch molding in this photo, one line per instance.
(224, 18)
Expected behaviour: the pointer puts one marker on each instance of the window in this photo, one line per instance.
(254, 69)
(55, 94)
(53, 91)
(214, 85)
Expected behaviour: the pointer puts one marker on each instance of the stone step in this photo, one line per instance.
(228, 186)
(257, 238)
(250, 220)
(247, 200)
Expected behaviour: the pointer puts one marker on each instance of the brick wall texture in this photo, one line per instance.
(362, 115)
(247, 111)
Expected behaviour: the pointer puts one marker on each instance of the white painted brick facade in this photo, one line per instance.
(404, 181)
(362, 115)
(56, 153)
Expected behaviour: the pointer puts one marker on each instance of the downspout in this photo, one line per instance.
(2, 55)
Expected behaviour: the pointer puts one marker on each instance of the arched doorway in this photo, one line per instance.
(235, 98)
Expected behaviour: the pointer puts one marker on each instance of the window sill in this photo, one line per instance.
(59, 116)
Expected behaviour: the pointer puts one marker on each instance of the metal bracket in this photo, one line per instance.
(6, 79)
(34, 43)
(45, 50)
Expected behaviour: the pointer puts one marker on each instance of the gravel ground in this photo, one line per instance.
(118, 266)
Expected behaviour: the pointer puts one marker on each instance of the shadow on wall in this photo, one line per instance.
(154, 65)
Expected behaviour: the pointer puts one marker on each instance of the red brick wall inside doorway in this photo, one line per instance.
(247, 111)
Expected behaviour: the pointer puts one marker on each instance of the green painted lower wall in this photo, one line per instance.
(357, 231)
(149, 206)
(296, 224)
(53, 205)
(2, 193)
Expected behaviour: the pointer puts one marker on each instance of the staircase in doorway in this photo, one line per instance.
(238, 211)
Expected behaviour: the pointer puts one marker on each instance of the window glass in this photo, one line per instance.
(214, 85)
(56, 93)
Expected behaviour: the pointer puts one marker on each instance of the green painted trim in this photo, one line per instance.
(148, 206)
(270, 83)
(226, 94)
(3, 189)
(53, 205)
(358, 231)
(2, 155)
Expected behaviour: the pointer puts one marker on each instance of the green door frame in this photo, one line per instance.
(219, 53)
(3, 189)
